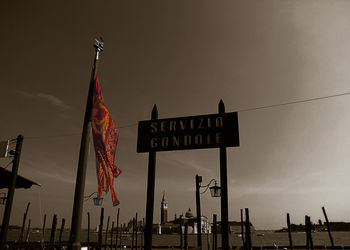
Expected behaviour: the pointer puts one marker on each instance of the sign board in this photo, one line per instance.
(4, 148)
(192, 132)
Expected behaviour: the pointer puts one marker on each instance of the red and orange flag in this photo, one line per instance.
(105, 137)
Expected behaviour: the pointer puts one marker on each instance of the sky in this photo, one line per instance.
(183, 56)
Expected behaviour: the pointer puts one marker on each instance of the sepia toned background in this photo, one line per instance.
(183, 56)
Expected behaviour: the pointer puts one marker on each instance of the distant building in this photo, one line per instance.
(173, 226)
(163, 211)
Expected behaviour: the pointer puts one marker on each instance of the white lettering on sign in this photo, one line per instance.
(154, 127)
(165, 142)
(183, 125)
(154, 143)
(172, 125)
(198, 139)
(187, 140)
(218, 138)
(176, 141)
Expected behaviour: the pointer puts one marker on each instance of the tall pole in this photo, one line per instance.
(75, 234)
(328, 228)
(150, 190)
(10, 193)
(198, 206)
(215, 233)
(117, 230)
(289, 233)
(24, 223)
(242, 229)
(224, 191)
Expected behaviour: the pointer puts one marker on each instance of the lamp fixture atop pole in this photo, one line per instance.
(215, 190)
(97, 202)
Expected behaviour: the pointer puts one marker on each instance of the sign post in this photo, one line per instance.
(150, 191)
(183, 133)
(224, 195)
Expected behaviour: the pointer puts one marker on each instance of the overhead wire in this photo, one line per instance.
(239, 111)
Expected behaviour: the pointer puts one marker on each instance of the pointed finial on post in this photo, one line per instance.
(98, 45)
(154, 115)
(221, 107)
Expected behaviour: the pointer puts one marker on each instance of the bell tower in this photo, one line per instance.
(163, 211)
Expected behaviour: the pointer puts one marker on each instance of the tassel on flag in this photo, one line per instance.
(105, 137)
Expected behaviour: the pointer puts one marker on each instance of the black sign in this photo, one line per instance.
(192, 132)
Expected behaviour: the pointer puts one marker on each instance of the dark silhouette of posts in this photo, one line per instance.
(185, 236)
(242, 229)
(309, 242)
(142, 228)
(106, 232)
(88, 232)
(10, 193)
(198, 206)
(23, 223)
(224, 190)
(53, 229)
(28, 230)
(100, 228)
(133, 234)
(117, 230)
(289, 233)
(328, 228)
(75, 234)
(248, 240)
(112, 236)
(61, 230)
(150, 191)
(215, 233)
(136, 230)
(181, 236)
(44, 227)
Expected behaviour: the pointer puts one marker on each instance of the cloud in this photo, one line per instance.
(53, 100)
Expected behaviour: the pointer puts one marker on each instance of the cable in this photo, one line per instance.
(294, 102)
(241, 110)
(8, 164)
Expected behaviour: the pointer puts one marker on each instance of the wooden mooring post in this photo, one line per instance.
(117, 230)
(28, 231)
(215, 233)
(328, 227)
(20, 239)
(133, 234)
(289, 233)
(100, 230)
(53, 229)
(136, 231)
(61, 230)
(309, 242)
(88, 232)
(242, 229)
(43, 229)
(248, 240)
(181, 235)
(106, 235)
(186, 236)
(112, 235)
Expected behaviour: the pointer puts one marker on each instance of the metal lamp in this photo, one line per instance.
(97, 202)
(215, 191)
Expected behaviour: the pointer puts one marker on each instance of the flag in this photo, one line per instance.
(105, 137)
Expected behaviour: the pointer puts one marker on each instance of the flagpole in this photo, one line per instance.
(83, 155)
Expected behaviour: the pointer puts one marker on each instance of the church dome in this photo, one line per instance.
(189, 214)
